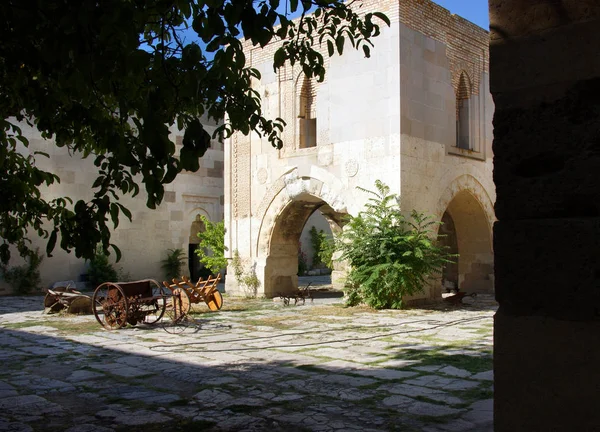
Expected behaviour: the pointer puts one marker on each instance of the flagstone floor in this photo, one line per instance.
(256, 365)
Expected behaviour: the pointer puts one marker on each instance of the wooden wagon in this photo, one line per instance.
(188, 292)
(116, 304)
(67, 298)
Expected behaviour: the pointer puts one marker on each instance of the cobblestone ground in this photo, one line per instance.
(255, 365)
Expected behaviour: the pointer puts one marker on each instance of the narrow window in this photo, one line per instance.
(307, 124)
(462, 113)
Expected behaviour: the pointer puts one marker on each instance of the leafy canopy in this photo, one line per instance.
(390, 255)
(106, 79)
(211, 249)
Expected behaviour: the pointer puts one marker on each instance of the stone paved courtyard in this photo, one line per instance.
(256, 365)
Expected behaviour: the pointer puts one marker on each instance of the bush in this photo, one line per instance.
(171, 265)
(248, 280)
(391, 256)
(323, 247)
(211, 249)
(101, 270)
(25, 278)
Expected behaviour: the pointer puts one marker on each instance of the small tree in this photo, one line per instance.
(211, 249)
(391, 255)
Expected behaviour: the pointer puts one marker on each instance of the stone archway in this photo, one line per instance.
(282, 220)
(466, 206)
(195, 267)
(468, 227)
(280, 257)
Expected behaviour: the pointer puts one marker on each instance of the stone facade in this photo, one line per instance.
(416, 115)
(145, 240)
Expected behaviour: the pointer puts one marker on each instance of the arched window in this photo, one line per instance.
(463, 94)
(307, 114)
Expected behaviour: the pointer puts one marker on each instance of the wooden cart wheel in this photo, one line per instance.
(153, 311)
(110, 306)
(214, 301)
(178, 305)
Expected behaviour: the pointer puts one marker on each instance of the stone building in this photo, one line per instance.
(416, 115)
(144, 241)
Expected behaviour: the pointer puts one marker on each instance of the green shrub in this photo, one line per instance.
(246, 279)
(171, 265)
(211, 249)
(24, 278)
(101, 270)
(391, 256)
(323, 247)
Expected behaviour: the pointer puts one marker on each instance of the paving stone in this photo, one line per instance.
(123, 416)
(212, 397)
(433, 410)
(431, 368)
(484, 376)
(480, 412)
(435, 381)
(451, 370)
(416, 391)
(8, 426)
(458, 425)
(360, 369)
(287, 397)
(124, 371)
(398, 363)
(42, 385)
(84, 375)
(27, 404)
(7, 390)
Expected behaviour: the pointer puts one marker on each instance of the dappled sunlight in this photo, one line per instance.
(265, 366)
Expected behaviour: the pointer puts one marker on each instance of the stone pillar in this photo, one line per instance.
(545, 79)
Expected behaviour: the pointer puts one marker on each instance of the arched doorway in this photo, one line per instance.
(468, 233)
(281, 260)
(195, 267)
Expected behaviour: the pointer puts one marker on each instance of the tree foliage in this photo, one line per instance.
(106, 79)
(211, 249)
(323, 248)
(391, 256)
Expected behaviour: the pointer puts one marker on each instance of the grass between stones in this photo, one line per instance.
(65, 326)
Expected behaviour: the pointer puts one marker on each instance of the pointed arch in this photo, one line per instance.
(307, 112)
(463, 117)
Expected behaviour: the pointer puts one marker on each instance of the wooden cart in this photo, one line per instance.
(203, 290)
(115, 304)
(69, 299)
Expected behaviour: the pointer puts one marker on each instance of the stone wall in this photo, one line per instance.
(145, 240)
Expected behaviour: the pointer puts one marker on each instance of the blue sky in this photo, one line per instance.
(475, 11)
